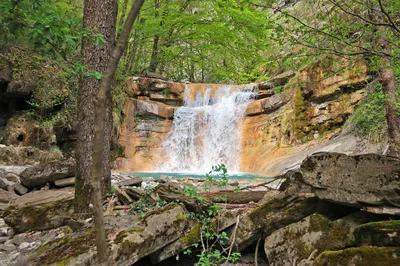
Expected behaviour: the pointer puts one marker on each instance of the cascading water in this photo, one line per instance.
(206, 130)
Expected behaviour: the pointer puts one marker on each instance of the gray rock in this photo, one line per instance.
(4, 183)
(21, 238)
(279, 80)
(297, 241)
(12, 177)
(24, 246)
(65, 182)
(6, 196)
(38, 176)
(133, 181)
(8, 247)
(3, 239)
(368, 179)
(20, 189)
(273, 103)
(40, 210)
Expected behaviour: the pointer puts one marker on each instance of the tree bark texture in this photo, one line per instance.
(154, 53)
(100, 17)
(101, 103)
(387, 80)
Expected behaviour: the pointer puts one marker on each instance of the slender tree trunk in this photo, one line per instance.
(154, 53)
(101, 100)
(387, 80)
(99, 16)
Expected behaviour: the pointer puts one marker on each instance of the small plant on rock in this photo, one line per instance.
(214, 248)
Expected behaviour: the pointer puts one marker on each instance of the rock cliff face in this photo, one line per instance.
(293, 115)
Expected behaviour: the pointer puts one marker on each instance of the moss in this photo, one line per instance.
(318, 224)
(360, 256)
(61, 251)
(392, 225)
(281, 212)
(193, 236)
(384, 233)
(64, 261)
(181, 217)
(165, 209)
(37, 217)
(301, 121)
(42, 249)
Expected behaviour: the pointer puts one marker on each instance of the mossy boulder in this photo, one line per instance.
(271, 216)
(159, 229)
(360, 256)
(41, 210)
(192, 236)
(383, 233)
(298, 240)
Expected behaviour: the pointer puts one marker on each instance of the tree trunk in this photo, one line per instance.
(387, 80)
(99, 16)
(154, 53)
(103, 98)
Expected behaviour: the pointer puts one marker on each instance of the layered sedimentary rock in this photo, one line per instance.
(292, 116)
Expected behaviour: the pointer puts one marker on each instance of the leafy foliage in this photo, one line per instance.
(208, 41)
(369, 119)
(214, 245)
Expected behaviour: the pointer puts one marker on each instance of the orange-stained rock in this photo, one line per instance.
(279, 130)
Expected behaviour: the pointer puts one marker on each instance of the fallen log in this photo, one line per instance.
(172, 192)
(231, 197)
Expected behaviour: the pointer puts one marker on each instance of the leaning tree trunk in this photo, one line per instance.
(100, 17)
(154, 53)
(102, 99)
(387, 80)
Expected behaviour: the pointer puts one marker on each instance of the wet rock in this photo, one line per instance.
(369, 179)
(40, 210)
(38, 176)
(154, 108)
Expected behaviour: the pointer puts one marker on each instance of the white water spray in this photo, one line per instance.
(207, 130)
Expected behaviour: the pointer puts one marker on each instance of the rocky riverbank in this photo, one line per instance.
(334, 210)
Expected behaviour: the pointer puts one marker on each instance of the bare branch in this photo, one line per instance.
(394, 26)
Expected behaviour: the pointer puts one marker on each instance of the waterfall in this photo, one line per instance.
(207, 130)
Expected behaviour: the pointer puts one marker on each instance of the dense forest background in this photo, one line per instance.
(197, 41)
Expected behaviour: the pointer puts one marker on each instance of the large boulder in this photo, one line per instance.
(360, 256)
(368, 179)
(38, 176)
(271, 216)
(297, 241)
(157, 229)
(40, 210)
(383, 233)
